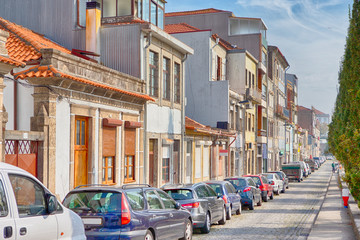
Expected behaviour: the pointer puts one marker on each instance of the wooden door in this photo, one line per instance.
(81, 151)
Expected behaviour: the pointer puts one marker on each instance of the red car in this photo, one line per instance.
(263, 183)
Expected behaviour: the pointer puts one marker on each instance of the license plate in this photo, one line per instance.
(92, 221)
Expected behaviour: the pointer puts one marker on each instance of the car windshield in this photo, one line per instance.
(93, 202)
(180, 194)
(217, 188)
(256, 180)
(269, 176)
(238, 183)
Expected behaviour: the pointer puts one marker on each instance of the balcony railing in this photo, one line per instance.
(253, 95)
(262, 132)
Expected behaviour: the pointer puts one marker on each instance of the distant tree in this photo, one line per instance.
(344, 130)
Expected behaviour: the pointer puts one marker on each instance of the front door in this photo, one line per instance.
(81, 151)
(153, 162)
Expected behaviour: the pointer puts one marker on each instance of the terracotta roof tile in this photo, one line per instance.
(198, 127)
(11, 61)
(225, 44)
(202, 11)
(24, 45)
(50, 71)
(180, 28)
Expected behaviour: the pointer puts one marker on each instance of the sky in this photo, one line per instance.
(311, 34)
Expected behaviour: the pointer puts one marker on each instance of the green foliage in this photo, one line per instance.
(344, 130)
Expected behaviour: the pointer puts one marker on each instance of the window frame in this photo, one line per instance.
(4, 210)
(154, 78)
(177, 83)
(166, 75)
(127, 166)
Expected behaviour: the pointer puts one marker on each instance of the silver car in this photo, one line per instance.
(275, 181)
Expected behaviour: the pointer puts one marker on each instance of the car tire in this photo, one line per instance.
(277, 192)
(283, 190)
(299, 180)
(287, 187)
(149, 235)
(260, 202)
(272, 196)
(228, 214)
(223, 220)
(188, 230)
(252, 204)
(266, 198)
(238, 212)
(207, 226)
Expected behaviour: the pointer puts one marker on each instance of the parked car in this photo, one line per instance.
(294, 170)
(266, 189)
(311, 163)
(275, 181)
(29, 211)
(304, 168)
(308, 168)
(283, 177)
(230, 196)
(250, 194)
(129, 212)
(205, 206)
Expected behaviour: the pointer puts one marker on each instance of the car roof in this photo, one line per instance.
(9, 167)
(181, 186)
(104, 187)
(217, 181)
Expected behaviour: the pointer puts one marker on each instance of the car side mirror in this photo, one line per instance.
(52, 203)
(257, 186)
(238, 191)
(177, 205)
(219, 195)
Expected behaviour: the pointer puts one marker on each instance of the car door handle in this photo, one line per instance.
(23, 231)
(8, 232)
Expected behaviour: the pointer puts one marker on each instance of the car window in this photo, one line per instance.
(256, 180)
(153, 200)
(136, 199)
(277, 177)
(94, 202)
(270, 176)
(251, 182)
(211, 191)
(202, 192)
(217, 188)
(168, 202)
(230, 188)
(180, 194)
(29, 195)
(264, 179)
(3, 203)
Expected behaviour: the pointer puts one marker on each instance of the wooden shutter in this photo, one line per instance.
(130, 138)
(109, 140)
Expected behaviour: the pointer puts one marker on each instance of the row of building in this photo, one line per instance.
(145, 96)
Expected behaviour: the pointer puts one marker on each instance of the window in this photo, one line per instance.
(212, 193)
(253, 123)
(129, 161)
(177, 96)
(154, 74)
(153, 13)
(167, 201)
(253, 81)
(157, 13)
(109, 152)
(153, 200)
(3, 203)
(113, 8)
(166, 169)
(249, 122)
(249, 78)
(166, 78)
(30, 196)
(246, 77)
(108, 170)
(218, 69)
(202, 192)
(138, 8)
(136, 199)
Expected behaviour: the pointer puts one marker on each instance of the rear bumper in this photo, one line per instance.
(198, 219)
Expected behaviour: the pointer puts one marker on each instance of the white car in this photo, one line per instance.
(29, 211)
(276, 182)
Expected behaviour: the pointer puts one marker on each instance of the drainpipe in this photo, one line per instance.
(183, 105)
(146, 152)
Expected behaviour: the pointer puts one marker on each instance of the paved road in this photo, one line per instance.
(289, 216)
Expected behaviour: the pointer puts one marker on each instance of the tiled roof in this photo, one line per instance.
(202, 11)
(198, 127)
(303, 108)
(225, 44)
(180, 28)
(11, 61)
(24, 45)
(50, 71)
(317, 112)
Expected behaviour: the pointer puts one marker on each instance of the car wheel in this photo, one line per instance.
(287, 187)
(188, 230)
(283, 190)
(149, 235)
(251, 206)
(277, 192)
(260, 201)
(238, 212)
(228, 214)
(272, 196)
(206, 227)
(299, 180)
(223, 220)
(266, 198)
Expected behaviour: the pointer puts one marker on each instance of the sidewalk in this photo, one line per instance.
(333, 221)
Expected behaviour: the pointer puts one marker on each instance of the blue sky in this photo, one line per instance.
(310, 33)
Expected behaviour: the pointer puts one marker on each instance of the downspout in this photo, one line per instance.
(146, 152)
(183, 105)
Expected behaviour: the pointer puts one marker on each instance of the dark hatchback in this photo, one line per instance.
(230, 196)
(263, 183)
(129, 212)
(205, 206)
(250, 194)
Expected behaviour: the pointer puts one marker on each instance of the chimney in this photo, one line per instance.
(3, 37)
(93, 23)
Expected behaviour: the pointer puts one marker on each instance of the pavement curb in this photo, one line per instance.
(313, 219)
(353, 211)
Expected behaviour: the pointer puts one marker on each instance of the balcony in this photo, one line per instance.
(282, 112)
(262, 67)
(253, 95)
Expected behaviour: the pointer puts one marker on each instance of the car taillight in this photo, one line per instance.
(272, 183)
(261, 187)
(225, 199)
(247, 189)
(191, 205)
(125, 211)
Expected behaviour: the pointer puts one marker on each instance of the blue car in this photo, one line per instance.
(230, 196)
(129, 212)
(249, 192)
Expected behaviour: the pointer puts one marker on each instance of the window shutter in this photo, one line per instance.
(130, 141)
(109, 140)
